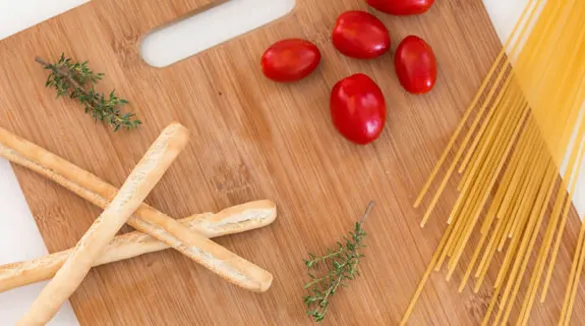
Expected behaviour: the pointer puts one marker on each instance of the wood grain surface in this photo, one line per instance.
(254, 139)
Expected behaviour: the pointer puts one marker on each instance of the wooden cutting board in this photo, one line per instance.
(255, 139)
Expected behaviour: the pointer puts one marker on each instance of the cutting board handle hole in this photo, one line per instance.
(164, 46)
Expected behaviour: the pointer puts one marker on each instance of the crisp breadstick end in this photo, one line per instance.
(266, 205)
(145, 175)
(136, 243)
(267, 283)
(235, 219)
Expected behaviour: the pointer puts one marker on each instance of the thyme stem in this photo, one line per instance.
(342, 264)
(71, 78)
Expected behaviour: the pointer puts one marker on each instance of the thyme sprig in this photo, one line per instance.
(342, 264)
(78, 81)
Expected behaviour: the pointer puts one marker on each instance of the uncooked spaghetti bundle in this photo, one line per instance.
(518, 152)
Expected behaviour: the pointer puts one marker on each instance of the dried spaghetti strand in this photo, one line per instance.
(459, 153)
(574, 163)
(484, 235)
(531, 239)
(503, 154)
(539, 267)
(488, 256)
(578, 261)
(510, 166)
(502, 59)
(576, 269)
(426, 276)
(547, 242)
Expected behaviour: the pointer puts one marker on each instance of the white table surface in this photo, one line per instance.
(19, 236)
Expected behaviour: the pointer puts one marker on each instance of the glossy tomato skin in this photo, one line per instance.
(360, 35)
(358, 109)
(416, 65)
(402, 7)
(290, 60)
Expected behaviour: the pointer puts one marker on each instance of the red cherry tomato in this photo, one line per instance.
(360, 35)
(402, 7)
(358, 109)
(290, 60)
(416, 65)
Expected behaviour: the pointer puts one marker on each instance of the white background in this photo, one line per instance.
(19, 236)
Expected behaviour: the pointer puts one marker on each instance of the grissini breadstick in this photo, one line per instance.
(142, 179)
(146, 219)
(234, 219)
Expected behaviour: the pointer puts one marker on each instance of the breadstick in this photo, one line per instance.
(146, 219)
(234, 219)
(142, 179)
